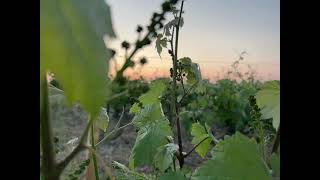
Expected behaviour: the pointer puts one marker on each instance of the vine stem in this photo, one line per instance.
(186, 155)
(276, 141)
(187, 92)
(112, 132)
(174, 86)
(48, 156)
(94, 158)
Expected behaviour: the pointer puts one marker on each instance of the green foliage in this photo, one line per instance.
(152, 125)
(178, 175)
(231, 104)
(235, 158)
(199, 133)
(224, 103)
(150, 97)
(191, 69)
(129, 92)
(125, 173)
(275, 164)
(150, 138)
(268, 99)
(102, 120)
(161, 42)
(72, 47)
(149, 114)
(164, 157)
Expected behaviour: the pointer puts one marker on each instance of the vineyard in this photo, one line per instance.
(97, 127)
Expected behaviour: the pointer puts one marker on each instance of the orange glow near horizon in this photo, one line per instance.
(212, 71)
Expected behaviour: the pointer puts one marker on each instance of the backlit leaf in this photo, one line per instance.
(72, 47)
(268, 100)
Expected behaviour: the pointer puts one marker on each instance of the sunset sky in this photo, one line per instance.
(214, 33)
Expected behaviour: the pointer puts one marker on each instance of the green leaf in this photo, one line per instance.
(167, 27)
(164, 157)
(235, 158)
(275, 164)
(160, 43)
(149, 139)
(191, 69)
(125, 173)
(152, 96)
(150, 113)
(178, 175)
(199, 133)
(72, 47)
(268, 100)
(102, 120)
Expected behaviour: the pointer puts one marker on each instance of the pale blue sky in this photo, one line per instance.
(213, 33)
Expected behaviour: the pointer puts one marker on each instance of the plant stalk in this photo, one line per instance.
(94, 158)
(276, 141)
(48, 155)
(174, 87)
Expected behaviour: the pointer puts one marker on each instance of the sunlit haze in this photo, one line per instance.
(213, 35)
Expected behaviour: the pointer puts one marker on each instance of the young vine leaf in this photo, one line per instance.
(235, 158)
(149, 114)
(149, 139)
(102, 120)
(199, 133)
(72, 47)
(268, 100)
(191, 69)
(164, 157)
(153, 126)
(152, 96)
(161, 43)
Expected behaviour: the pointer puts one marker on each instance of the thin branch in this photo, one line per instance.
(186, 155)
(276, 141)
(182, 84)
(107, 169)
(120, 118)
(188, 92)
(174, 84)
(48, 155)
(171, 43)
(63, 164)
(94, 158)
(174, 163)
(117, 95)
(112, 132)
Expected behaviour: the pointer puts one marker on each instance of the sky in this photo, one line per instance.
(213, 35)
